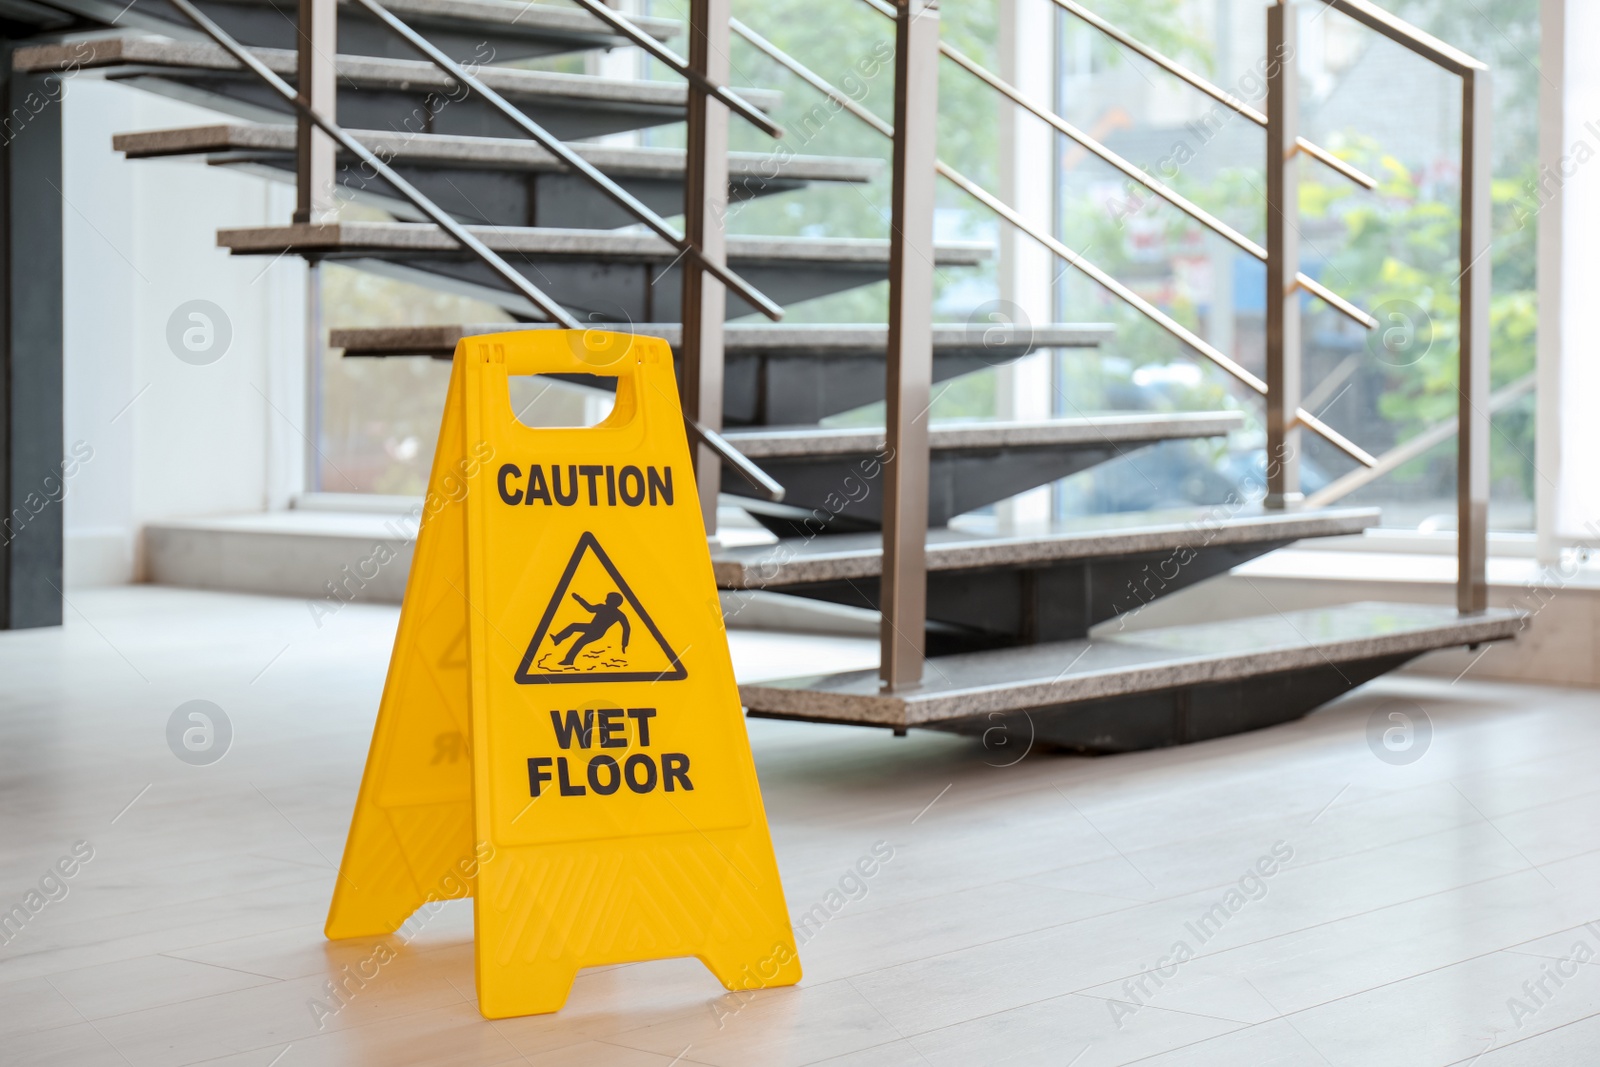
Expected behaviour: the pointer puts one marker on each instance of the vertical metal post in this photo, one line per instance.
(910, 357)
(1472, 457)
(705, 209)
(318, 84)
(1283, 257)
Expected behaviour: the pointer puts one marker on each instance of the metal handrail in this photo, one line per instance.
(1408, 36)
(732, 100)
(751, 473)
(1472, 421)
(1413, 447)
(442, 218)
(626, 200)
(769, 488)
(1161, 189)
(1199, 214)
(758, 479)
(1221, 96)
(810, 77)
(1172, 326)
(1116, 288)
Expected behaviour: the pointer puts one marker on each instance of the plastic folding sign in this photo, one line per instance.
(560, 734)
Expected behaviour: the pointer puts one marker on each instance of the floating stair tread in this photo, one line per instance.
(508, 15)
(512, 18)
(799, 561)
(488, 153)
(954, 436)
(412, 237)
(740, 338)
(363, 72)
(505, 19)
(1039, 676)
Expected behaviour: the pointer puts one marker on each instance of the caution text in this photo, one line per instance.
(594, 484)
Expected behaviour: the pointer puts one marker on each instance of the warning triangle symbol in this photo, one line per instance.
(595, 629)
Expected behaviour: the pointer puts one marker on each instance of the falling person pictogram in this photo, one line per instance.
(606, 615)
(581, 639)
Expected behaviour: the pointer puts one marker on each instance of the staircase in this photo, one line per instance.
(1022, 623)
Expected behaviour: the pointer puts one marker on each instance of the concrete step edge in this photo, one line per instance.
(486, 152)
(1097, 430)
(1015, 680)
(800, 561)
(165, 54)
(417, 238)
(850, 340)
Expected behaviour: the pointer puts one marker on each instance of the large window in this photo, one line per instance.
(1393, 251)
(380, 416)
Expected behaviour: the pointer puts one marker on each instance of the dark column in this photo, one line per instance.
(31, 479)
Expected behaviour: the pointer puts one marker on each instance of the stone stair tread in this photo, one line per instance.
(488, 152)
(365, 72)
(846, 341)
(799, 561)
(504, 18)
(1116, 427)
(510, 15)
(401, 237)
(1121, 664)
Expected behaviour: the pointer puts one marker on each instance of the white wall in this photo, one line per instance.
(1569, 220)
(170, 438)
(1027, 178)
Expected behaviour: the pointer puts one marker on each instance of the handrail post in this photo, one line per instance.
(903, 586)
(705, 208)
(316, 45)
(1283, 257)
(1472, 444)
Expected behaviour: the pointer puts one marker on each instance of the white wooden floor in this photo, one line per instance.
(1430, 912)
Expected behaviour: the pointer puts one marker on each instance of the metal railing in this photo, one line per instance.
(1474, 401)
(1176, 329)
(1221, 96)
(701, 248)
(694, 76)
(311, 117)
(580, 166)
(1283, 328)
(704, 305)
(1284, 145)
(1300, 416)
(1143, 177)
(902, 598)
(1413, 447)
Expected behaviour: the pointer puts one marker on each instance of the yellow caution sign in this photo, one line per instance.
(560, 734)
